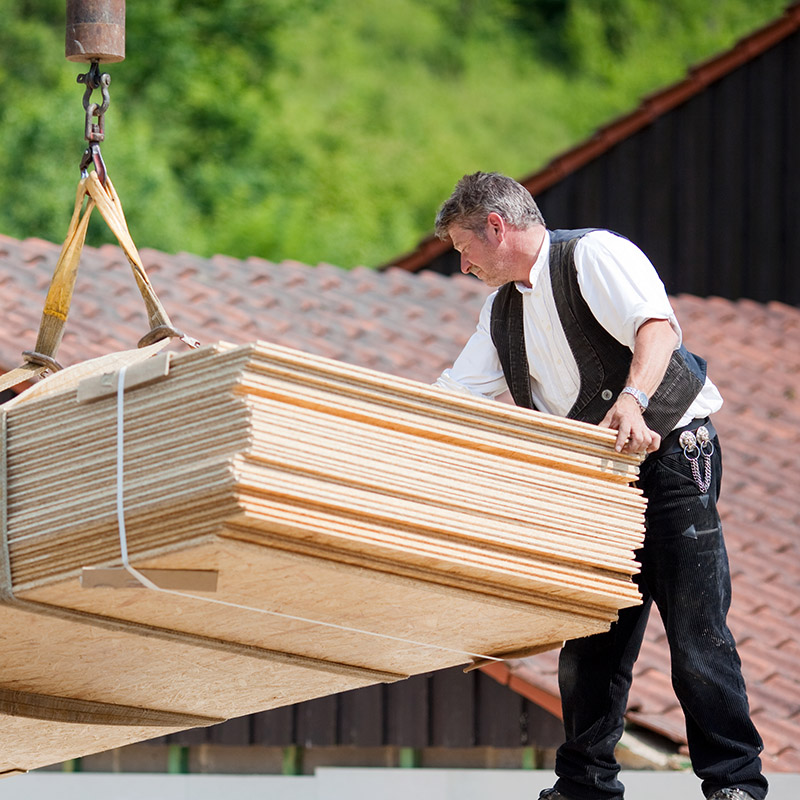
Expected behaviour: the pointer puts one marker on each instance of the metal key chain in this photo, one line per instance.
(695, 445)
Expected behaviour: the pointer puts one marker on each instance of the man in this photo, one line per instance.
(581, 326)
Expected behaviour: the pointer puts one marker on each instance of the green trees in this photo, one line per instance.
(327, 130)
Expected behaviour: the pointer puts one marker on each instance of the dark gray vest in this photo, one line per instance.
(603, 363)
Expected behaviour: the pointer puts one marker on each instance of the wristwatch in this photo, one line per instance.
(640, 397)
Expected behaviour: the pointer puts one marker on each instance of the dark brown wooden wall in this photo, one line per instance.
(442, 709)
(710, 190)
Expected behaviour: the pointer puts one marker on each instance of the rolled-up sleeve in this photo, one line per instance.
(621, 286)
(477, 370)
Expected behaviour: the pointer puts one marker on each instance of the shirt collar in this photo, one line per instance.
(542, 263)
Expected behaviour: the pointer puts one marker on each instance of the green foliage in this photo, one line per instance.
(327, 130)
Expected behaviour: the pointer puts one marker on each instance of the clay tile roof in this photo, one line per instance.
(650, 109)
(392, 321)
(413, 325)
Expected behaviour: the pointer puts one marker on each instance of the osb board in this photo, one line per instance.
(67, 659)
(54, 657)
(420, 625)
(27, 744)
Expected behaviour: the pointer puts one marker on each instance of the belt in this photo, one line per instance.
(670, 443)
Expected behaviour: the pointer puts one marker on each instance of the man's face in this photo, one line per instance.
(484, 257)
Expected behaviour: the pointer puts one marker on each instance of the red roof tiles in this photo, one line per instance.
(413, 325)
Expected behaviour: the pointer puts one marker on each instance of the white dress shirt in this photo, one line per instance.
(621, 288)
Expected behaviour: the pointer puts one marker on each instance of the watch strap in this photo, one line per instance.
(638, 395)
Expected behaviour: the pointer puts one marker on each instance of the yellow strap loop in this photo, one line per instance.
(62, 284)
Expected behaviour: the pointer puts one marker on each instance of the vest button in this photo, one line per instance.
(606, 394)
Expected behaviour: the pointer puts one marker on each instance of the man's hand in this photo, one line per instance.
(633, 435)
(652, 350)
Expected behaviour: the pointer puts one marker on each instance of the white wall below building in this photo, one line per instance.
(332, 783)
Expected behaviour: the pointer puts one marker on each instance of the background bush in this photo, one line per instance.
(327, 130)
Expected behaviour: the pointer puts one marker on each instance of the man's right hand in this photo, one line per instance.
(633, 435)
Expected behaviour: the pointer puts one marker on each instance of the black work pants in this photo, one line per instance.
(685, 572)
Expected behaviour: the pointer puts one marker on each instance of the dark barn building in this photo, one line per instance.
(447, 718)
(704, 176)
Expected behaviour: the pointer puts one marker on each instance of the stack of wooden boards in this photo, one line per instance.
(306, 527)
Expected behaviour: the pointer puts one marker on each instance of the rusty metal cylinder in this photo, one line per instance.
(95, 30)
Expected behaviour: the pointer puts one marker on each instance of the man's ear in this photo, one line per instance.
(495, 226)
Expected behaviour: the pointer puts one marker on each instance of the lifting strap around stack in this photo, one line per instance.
(59, 296)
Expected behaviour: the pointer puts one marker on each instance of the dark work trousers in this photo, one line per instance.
(685, 572)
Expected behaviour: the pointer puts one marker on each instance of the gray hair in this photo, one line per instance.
(478, 195)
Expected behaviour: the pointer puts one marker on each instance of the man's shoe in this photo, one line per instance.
(554, 794)
(730, 794)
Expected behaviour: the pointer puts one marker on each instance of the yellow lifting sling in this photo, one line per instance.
(96, 190)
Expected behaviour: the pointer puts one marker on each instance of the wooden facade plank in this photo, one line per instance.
(691, 146)
(235, 731)
(727, 219)
(193, 736)
(361, 717)
(657, 216)
(406, 714)
(588, 196)
(554, 205)
(624, 188)
(540, 728)
(766, 165)
(499, 715)
(448, 263)
(790, 102)
(275, 728)
(317, 721)
(453, 708)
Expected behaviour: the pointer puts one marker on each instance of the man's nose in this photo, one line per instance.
(465, 264)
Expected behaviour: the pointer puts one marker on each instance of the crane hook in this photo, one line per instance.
(94, 132)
